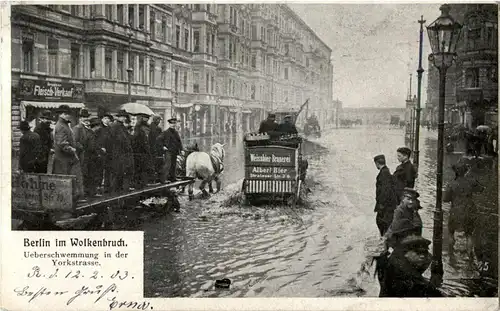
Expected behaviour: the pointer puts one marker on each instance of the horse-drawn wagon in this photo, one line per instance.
(274, 168)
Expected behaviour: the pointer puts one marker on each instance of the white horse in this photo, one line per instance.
(207, 167)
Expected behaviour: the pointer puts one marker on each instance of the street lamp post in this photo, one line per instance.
(444, 34)
(130, 69)
(420, 72)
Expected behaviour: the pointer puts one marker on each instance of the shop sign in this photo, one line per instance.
(50, 91)
(270, 173)
(270, 156)
(40, 192)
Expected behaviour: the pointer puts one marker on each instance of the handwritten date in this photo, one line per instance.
(76, 274)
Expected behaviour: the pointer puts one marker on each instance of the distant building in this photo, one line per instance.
(472, 82)
(372, 115)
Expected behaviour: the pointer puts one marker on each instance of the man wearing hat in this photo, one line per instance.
(402, 276)
(86, 151)
(463, 211)
(406, 210)
(171, 144)
(287, 127)
(66, 161)
(269, 125)
(405, 174)
(156, 152)
(122, 165)
(45, 132)
(143, 161)
(103, 141)
(30, 149)
(385, 195)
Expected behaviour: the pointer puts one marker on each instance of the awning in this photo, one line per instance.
(46, 105)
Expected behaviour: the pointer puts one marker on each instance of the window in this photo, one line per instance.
(177, 36)
(65, 8)
(196, 82)
(164, 28)
(197, 7)
(287, 49)
(213, 44)
(168, 29)
(208, 8)
(119, 13)
(120, 66)
(207, 44)
(230, 50)
(186, 39)
(254, 32)
(164, 74)
(196, 41)
(131, 64)
(53, 49)
(74, 10)
(286, 73)
(75, 60)
(142, 17)
(152, 69)
(176, 80)
(212, 84)
(207, 83)
(92, 61)
(28, 55)
(108, 11)
(472, 78)
(252, 92)
(141, 69)
(131, 16)
(254, 61)
(473, 38)
(108, 64)
(222, 48)
(152, 25)
(185, 81)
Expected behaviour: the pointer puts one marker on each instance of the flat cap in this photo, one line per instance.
(379, 157)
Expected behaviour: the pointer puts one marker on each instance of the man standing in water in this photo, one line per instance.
(386, 200)
(170, 142)
(405, 174)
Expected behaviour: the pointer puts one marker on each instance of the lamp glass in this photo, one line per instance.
(444, 33)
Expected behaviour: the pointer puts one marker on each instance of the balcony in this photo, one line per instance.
(45, 15)
(204, 16)
(121, 87)
(203, 57)
(228, 29)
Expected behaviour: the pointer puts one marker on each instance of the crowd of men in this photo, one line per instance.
(113, 154)
(271, 127)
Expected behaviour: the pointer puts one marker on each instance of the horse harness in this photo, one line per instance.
(217, 164)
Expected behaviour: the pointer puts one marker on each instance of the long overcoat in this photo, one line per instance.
(404, 175)
(66, 161)
(29, 152)
(121, 150)
(47, 141)
(386, 199)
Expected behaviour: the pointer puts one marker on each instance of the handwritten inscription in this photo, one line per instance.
(100, 292)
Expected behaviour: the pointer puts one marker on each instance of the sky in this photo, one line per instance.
(374, 49)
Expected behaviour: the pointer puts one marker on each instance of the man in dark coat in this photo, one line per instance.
(156, 151)
(269, 125)
(403, 271)
(143, 164)
(45, 132)
(86, 151)
(386, 199)
(405, 173)
(103, 141)
(30, 149)
(93, 157)
(66, 161)
(171, 144)
(287, 127)
(122, 165)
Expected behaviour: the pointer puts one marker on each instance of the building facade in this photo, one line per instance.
(216, 67)
(472, 82)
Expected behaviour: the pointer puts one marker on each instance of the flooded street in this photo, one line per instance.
(316, 250)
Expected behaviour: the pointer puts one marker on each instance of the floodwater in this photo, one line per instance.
(316, 250)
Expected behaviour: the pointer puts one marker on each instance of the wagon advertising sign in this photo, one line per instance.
(39, 192)
(270, 156)
(269, 172)
(271, 163)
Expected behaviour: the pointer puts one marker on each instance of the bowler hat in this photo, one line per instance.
(404, 150)
(95, 122)
(272, 115)
(46, 114)
(122, 113)
(411, 193)
(379, 157)
(84, 113)
(63, 109)
(172, 120)
(24, 126)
